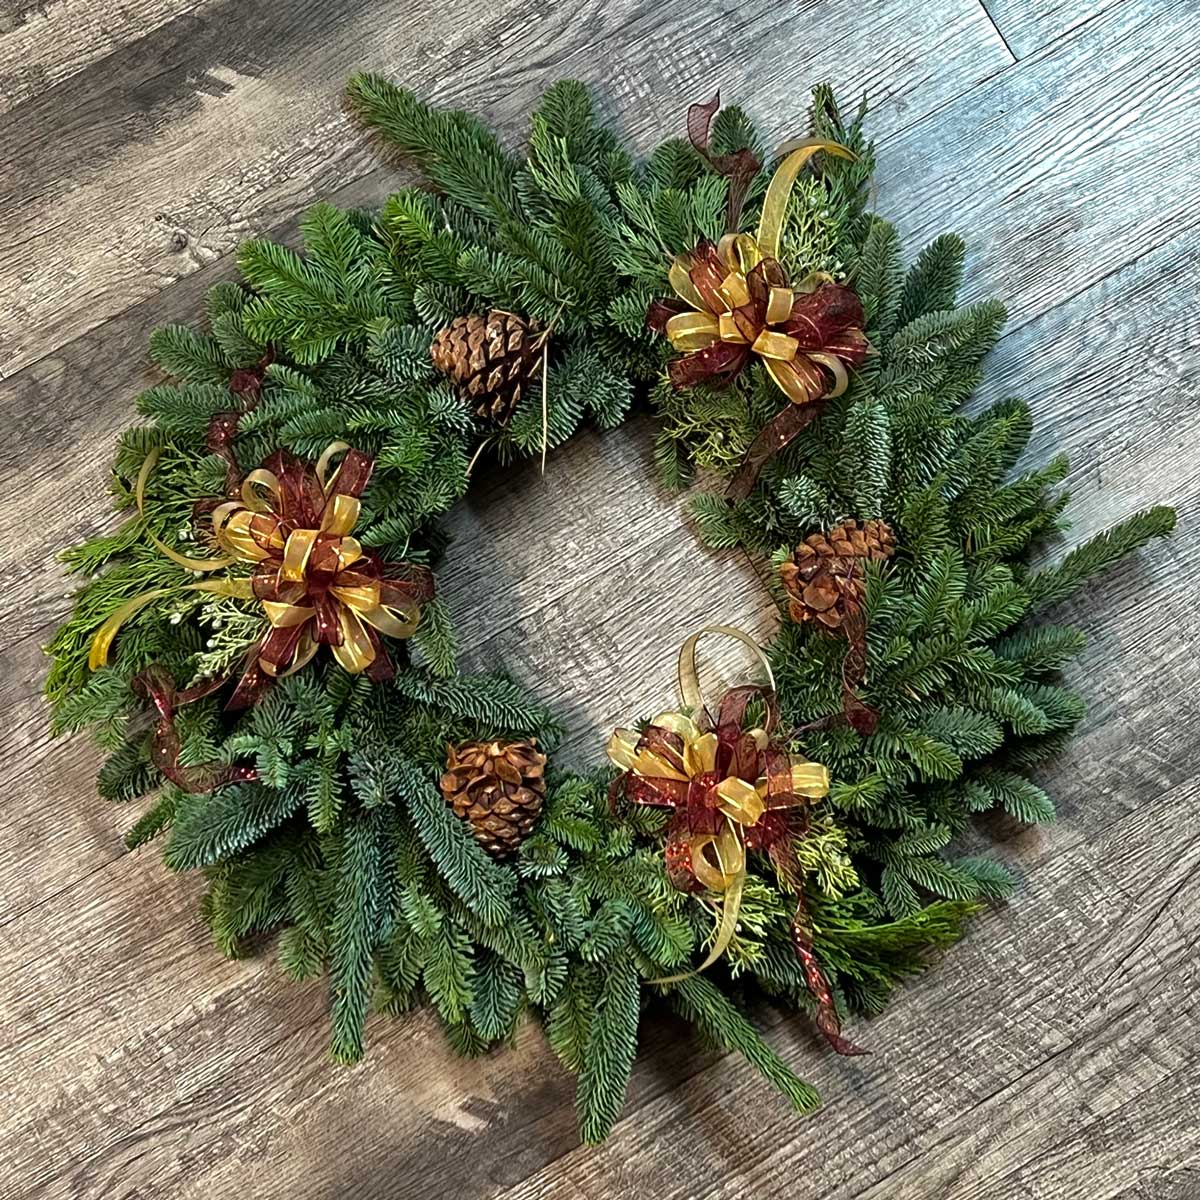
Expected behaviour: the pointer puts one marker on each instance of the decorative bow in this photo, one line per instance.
(735, 303)
(315, 582)
(732, 790)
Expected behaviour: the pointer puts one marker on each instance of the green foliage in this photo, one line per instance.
(343, 844)
(609, 1050)
(721, 1022)
(352, 936)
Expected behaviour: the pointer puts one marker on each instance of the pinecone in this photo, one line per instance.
(824, 576)
(490, 357)
(498, 787)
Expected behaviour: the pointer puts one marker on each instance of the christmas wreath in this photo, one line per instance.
(261, 646)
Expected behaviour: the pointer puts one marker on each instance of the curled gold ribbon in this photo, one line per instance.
(139, 496)
(718, 860)
(741, 253)
(779, 190)
(688, 672)
(103, 638)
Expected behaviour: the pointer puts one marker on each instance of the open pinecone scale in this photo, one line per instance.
(824, 578)
(490, 357)
(498, 788)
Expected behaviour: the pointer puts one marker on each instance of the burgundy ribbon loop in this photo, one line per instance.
(156, 685)
(739, 168)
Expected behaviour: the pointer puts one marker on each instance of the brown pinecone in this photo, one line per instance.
(824, 575)
(499, 788)
(490, 357)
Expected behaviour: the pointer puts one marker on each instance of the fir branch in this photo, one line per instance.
(609, 1050)
(485, 888)
(702, 1003)
(933, 280)
(210, 827)
(1054, 584)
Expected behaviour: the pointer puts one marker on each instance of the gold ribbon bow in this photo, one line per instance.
(250, 530)
(311, 576)
(732, 313)
(672, 764)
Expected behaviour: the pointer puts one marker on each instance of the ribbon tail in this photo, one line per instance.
(157, 686)
(778, 434)
(253, 683)
(739, 168)
(731, 905)
(103, 638)
(828, 1021)
(139, 495)
(862, 717)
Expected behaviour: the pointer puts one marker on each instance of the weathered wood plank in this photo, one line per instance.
(42, 44)
(218, 124)
(1029, 25)
(1061, 170)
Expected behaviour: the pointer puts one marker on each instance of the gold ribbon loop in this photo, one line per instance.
(260, 491)
(836, 368)
(735, 290)
(779, 190)
(694, 330)
(772, 344)
(779, 304)
(740, 801)
(341, 514)
(296, 552)
(680, 278)
(322, 468)
(286, 616)
(356, 651)
(688, 673)
(740, 252)
(395, 622)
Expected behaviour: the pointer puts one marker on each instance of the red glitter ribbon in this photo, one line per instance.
(156, 685)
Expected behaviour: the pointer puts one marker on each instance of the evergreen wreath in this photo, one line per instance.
(493, 313)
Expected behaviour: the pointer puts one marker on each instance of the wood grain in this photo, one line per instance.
(1027, 27)
(1052, 1054)
(42, 44)
(224, 120)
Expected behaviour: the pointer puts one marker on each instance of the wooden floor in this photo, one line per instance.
(1054, 1053)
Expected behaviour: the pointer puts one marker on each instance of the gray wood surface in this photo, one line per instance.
(1053, 1053)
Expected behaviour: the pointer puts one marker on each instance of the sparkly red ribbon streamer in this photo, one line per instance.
(784, 857)
(739, 168)
(862, 717)
(156, 685)
(245, 382)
